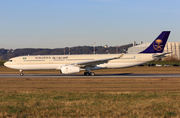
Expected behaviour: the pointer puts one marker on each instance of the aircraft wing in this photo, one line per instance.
(96, 62)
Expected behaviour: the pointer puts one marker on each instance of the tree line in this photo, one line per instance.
(5, 54)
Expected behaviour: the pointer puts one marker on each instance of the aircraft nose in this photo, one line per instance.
(6, 64)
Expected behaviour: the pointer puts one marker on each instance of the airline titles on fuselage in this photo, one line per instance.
(48, 57)
(55, 58)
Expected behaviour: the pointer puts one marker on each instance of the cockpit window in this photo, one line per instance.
(9, 60)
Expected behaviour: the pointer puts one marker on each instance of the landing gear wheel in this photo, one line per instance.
(85, 73)
(92, 73)
(89, 73)
(21, 72)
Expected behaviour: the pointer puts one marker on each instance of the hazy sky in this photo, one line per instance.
(58, 23)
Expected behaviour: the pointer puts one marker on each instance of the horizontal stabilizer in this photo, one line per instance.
(157, 57)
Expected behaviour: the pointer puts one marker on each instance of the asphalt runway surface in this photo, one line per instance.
(122, 75)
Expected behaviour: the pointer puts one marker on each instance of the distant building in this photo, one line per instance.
(141, 43)
(134, 43)
(106, 46)
(173, 47)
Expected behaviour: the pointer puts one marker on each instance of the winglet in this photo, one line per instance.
(119, 56)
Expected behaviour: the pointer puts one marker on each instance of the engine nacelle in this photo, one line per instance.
(70, 69)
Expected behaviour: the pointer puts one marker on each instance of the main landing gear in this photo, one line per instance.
(21, 73)
(89, 73)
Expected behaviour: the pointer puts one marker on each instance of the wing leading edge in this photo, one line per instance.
(96, 62)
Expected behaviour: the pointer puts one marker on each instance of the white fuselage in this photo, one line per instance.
(54, 62)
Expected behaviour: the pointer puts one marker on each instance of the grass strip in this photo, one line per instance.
(89, 104)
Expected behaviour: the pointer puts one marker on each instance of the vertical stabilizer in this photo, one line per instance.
(158, 44)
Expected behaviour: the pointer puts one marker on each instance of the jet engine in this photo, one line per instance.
(70, 69)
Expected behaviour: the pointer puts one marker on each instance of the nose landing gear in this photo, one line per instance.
(21, 72)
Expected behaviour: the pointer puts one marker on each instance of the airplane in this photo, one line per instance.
(68, 64)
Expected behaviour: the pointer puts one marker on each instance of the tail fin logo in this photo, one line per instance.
(157, 45)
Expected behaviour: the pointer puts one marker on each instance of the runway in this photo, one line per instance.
(122, 75)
